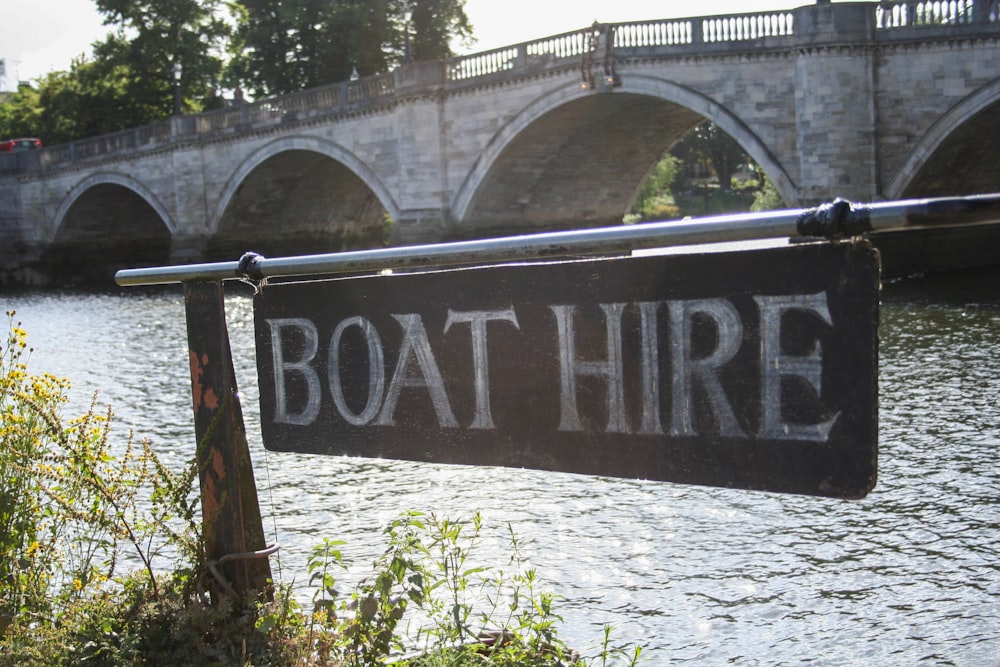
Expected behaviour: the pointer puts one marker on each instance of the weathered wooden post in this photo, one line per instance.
(233, 534)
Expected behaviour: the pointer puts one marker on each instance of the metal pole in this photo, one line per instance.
(407, 16)
(176, 72)
(880, 217)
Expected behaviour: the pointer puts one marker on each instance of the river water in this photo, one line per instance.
(909, 575)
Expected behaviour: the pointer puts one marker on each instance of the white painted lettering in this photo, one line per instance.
(775, 365)
(416, 345)
(477, 320)
(650, 424)
(310, 339)
(698, 368)
(729, 331)
(609, 369)
(376, 371)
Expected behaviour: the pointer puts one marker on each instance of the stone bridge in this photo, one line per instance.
(866, 101)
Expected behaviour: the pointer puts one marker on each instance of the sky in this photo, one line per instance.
(40, 36)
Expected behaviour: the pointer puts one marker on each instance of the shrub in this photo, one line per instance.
(767, 199)
(75, 509)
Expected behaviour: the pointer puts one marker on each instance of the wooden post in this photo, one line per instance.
(230, 510)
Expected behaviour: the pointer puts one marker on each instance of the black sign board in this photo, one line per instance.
(750, 369)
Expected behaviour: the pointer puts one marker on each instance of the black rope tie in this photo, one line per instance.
(835, 220)
(250, 273)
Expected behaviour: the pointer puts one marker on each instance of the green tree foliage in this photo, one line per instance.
(129, 80)
(275, 47)
(655, 199)
(19, 116)
(709, 145)
(767, 198)
(281, 47)
(433, 25)
(88, 100)
(151, 37)
(667, 195)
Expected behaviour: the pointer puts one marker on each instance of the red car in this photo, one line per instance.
(15, 145)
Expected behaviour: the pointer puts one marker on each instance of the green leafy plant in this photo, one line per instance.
(26, 557)
(427, 603)
(767, 199)
(74, 507)
(86, 524)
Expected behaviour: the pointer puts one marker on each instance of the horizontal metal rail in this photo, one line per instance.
(837, 219)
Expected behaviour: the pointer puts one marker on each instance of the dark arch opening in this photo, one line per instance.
(579, 165)
(965, 163)
(584, 163)
(109, 227)
(299, 202)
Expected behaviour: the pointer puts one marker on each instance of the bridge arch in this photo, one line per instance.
(654, 105)
(116, 179)
(296, 192)
(725, 119)
(106, 222)
(504, 138)
(965, 141)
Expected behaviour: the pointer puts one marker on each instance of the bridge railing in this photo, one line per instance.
(131, 139)
(664, 32)
(916, 13)
(485, 63)
(639, 34)
(371, 88)
(703, 30)
(242, 115)
(331, 99)
(747, 27)
(527, 54)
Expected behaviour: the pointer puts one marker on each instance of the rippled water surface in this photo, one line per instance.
(909, 575)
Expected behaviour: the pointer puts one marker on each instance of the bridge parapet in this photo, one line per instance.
(886, 21)
(573, 45)
(336, 98)
(922, 13)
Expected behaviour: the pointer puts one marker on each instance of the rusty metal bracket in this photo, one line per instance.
(220, 578)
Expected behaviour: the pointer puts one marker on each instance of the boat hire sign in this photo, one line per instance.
(751, 369)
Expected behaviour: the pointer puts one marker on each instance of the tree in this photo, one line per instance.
(152, 36)
(767, 198)
(88, 100)
(285, 46)
(288, 45)
(655, 197)
(278, 46)
(129, 80)
(710, 145)
(434, 24)
(19, 114)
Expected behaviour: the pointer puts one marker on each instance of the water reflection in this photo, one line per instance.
(700, 576)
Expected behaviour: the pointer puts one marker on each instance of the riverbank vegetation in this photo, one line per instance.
(101, 564)
(706, 173)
